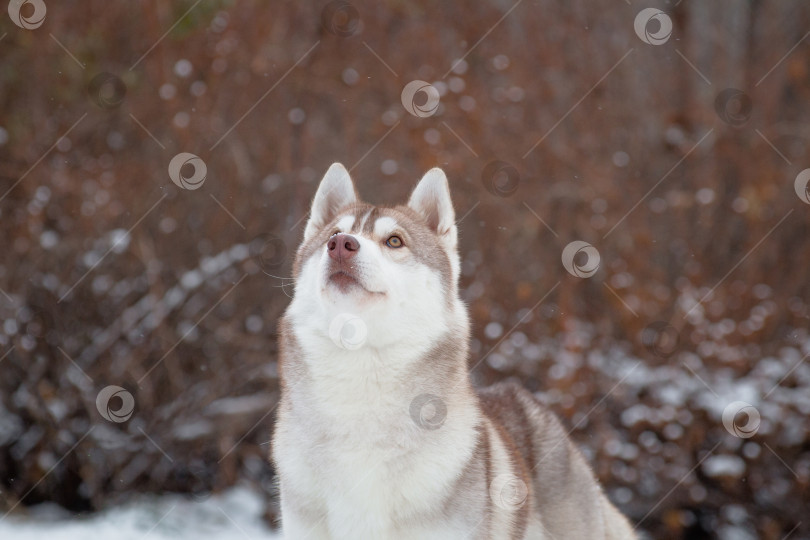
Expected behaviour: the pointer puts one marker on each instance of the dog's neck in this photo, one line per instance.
(328, 378)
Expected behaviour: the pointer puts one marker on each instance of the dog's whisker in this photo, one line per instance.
(277, 277)
(283, 289)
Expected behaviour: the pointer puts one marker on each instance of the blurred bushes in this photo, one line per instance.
(114, 276)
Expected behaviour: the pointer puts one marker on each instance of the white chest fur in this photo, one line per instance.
(352, 455)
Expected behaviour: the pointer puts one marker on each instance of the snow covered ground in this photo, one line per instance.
(232, 515)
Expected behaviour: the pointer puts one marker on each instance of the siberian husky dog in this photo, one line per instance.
(380, 434)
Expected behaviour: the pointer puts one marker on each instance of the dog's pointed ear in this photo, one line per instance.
(431, 199)
(335, 192)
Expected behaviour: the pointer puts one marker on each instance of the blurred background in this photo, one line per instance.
(633, 217)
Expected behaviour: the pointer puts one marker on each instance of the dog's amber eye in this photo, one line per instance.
(394, 242)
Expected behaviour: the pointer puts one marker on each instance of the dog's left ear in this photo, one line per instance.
(335, 192)
(431, 199)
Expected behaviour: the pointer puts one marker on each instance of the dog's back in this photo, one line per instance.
(564, 491)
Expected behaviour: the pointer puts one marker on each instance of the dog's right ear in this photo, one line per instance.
(335, 192)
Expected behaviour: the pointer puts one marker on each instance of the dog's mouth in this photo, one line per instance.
(346, 281)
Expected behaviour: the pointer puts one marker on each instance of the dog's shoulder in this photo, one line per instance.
(514, 407)
(534, 430)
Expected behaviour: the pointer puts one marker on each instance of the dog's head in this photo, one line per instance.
(391, 270)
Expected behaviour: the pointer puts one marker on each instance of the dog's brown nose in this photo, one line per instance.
(342, 246)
